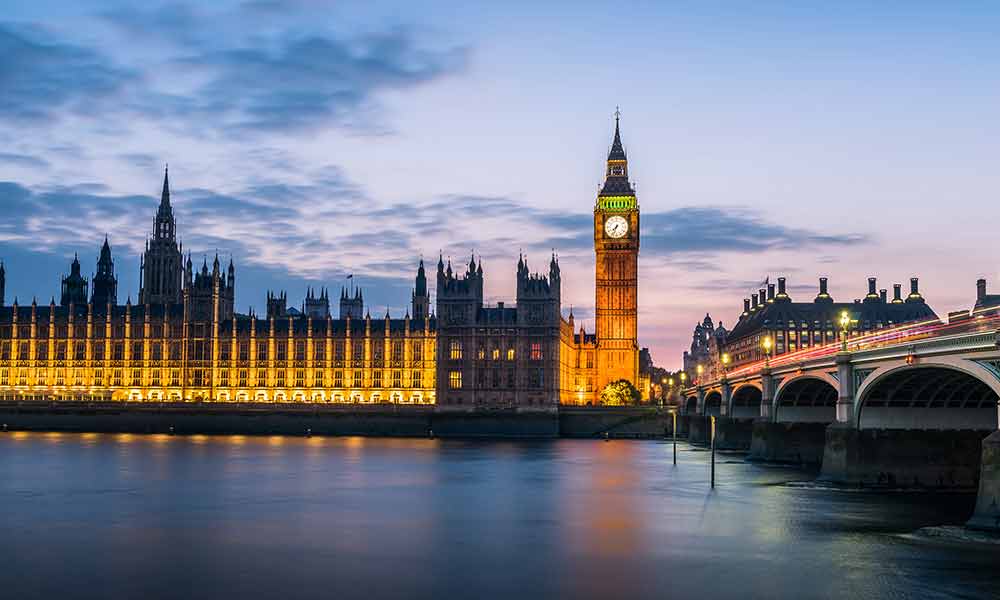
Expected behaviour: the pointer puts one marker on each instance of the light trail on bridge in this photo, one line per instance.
(882, 338)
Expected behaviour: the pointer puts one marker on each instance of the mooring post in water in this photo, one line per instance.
(713, 451)
(674, 413)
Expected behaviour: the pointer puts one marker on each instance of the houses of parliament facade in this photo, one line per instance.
(183, 341)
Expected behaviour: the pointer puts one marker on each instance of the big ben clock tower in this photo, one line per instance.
(616, 242)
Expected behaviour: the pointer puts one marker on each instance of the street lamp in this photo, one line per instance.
(767, 343)
(726, 359)
(845, 327)
(700, 370)
(684, 377)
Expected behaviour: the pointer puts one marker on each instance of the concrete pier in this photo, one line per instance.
(699, 430)
(987, 515)
(730, 434)
(733, 434)
(900, 458)
(791, 443)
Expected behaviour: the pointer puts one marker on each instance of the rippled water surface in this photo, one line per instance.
(121, 516)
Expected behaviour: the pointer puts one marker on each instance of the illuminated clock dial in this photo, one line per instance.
(616, 226)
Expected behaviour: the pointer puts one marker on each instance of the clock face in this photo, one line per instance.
(616, 226)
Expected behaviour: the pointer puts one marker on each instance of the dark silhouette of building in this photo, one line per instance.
(316, 307)
(277, 305)
(210, 295)
(160, 270)
(352, 306)
(707, 342)
(74, 286)
(986, 304)
(420, 300)
(105, 284)
(496, 357)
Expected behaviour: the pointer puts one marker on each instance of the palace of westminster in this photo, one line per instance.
(183, 340)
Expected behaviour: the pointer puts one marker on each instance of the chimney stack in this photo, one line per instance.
(781, 286)
(770, 293)
(883, 295)
(824, 294)
(746, 306)
(754, 299)
(897, 293)
(871, 286)
(980, 289)
(763, 296)
(914, 291)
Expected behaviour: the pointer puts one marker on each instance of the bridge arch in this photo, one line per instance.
(807, 399)
(691, 405)
(745, 401)
(713, 403)
(952, 394)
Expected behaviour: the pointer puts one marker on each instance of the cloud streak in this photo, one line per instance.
(318, 230)
(42, 75)
(278, 79)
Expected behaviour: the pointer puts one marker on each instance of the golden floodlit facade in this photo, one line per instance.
(184, 341)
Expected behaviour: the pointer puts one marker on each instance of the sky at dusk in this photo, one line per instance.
(309, 140)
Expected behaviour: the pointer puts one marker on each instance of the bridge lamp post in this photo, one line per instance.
(845, 327)
(726, 359)
(700, 370)
(767, 343)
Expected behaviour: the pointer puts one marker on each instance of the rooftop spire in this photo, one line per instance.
(165, 195)
(617, 151)
(616, 183)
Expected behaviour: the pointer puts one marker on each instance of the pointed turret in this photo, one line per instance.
(420, 301)
(74, 286)
(617, 151)
(105, 288)
(165, 194)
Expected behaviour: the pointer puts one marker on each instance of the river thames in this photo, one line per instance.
(128, 516)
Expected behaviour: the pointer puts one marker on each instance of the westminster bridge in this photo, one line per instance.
(914, 405)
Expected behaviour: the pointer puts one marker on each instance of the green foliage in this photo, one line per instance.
(620, 393)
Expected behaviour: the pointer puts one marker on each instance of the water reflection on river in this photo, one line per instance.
(157, 516)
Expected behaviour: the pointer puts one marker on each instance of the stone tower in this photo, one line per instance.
(352, 304)
(616, 243)
(211, 294)
(74, 286)
(105, 284)
(161, 268)
(421, 300)
(317, 307)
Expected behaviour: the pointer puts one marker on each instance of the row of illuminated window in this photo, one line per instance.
(200, 350)
(493, 378)
(456, 351)
(202, 378)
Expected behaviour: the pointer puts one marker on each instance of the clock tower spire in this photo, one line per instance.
(616, 244)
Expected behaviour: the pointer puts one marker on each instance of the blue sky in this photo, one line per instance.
(312, 139)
